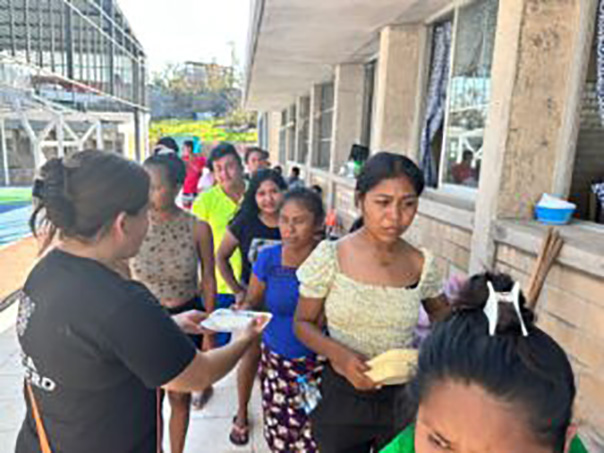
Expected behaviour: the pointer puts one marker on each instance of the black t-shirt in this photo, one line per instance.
(95, 347)
(253, 235)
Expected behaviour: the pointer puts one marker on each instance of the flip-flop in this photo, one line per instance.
(198, 402)
(240, 435)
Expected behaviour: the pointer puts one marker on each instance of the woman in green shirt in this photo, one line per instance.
(489, 380)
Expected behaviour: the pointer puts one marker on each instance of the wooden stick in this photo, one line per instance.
(551, 251)
(538, 265)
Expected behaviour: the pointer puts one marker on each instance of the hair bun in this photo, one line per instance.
(59, 208)
(474, 295)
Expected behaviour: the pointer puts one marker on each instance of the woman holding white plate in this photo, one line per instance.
(285, 360)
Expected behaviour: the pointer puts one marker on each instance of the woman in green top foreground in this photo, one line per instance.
(490, 381)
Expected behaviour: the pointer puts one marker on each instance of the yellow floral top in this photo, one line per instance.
(369, 319)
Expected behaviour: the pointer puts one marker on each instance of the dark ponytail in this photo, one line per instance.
(532, 373)
(59, 207)
(82, 194)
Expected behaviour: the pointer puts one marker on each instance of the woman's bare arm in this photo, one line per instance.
(227, 247)
(254, 295)
(205, 249)
(308, 323)
(438, 308)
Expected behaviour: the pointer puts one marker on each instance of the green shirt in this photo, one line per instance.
(405, 443)
(218, 209)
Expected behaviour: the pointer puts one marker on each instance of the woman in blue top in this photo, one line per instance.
(284, 357)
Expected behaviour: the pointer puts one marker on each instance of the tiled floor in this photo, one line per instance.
(208, 431)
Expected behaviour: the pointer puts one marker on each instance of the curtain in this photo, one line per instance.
(437, 97)
(600, 63)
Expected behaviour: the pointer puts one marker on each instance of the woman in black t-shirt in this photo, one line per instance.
(255, 226)
(95, 345)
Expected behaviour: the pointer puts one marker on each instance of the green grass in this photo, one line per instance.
(207, 131)
(10, 195)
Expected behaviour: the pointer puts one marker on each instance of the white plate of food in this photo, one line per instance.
(393, 367)
(228, 321)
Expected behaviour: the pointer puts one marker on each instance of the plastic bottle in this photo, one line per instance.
(310, 394)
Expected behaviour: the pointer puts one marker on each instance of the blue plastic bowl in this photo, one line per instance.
(551, 216)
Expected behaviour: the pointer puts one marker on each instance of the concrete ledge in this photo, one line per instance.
(321, 173)
(447, 209)
(351, 183)
(583, 242)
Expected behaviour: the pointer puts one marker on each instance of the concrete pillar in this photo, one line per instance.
(99, 135)
(534, 78)
(60, 136)
(348, 112)
(274, 124)
(399, 88)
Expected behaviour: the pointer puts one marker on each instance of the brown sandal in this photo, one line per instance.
(240, 435)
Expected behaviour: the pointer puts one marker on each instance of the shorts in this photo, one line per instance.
(192, 304)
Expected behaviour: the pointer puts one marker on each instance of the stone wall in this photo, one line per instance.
(450, 244)
(571, 309)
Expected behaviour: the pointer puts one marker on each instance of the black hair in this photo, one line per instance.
(168, 142)
(385, 165)
(249, 207)
(278, 169)
(82, 194)
(190, 144)
(296, 171)
(255, 149)
(222, 150)
(309, 199)
(532, 372)
(467, 153)
(172, 166)
(356, 225)
(317, 188)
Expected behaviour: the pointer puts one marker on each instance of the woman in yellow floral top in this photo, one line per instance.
(366, 289)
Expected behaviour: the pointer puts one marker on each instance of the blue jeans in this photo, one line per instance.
(223, 301)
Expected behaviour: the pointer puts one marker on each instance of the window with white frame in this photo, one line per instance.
(324, 126)
(459, 95)
(304, 130)
(291, 133)
(283, 138)
(469, 93)
(587, 186)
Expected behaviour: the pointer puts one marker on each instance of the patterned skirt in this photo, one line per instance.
(286, 425)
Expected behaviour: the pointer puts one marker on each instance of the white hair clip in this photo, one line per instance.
(491, 309)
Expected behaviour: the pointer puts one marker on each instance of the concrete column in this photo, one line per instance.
(398, 94)
(274, 123)
(60, 136)
(348, 112)
(534, 78)
(99, 135)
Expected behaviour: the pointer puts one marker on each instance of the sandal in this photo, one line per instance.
(240, 435)
(199, 400)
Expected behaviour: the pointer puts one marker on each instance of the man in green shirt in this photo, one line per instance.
(217, 206)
